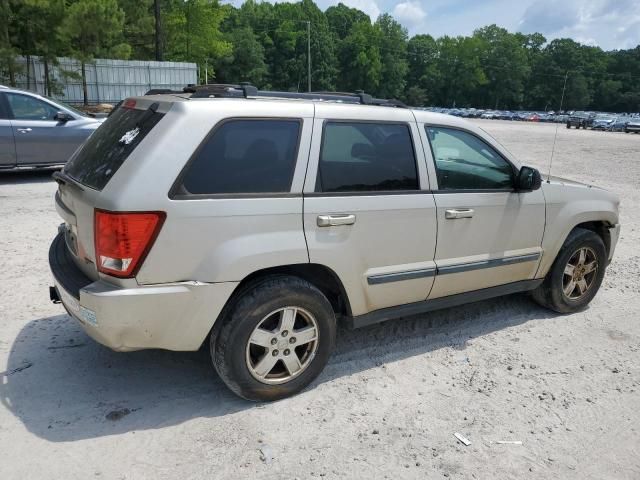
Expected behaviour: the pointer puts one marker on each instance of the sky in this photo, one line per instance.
(609, 24)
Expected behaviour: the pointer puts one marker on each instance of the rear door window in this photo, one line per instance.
(244, 156)
(366, 157)
(108, 147)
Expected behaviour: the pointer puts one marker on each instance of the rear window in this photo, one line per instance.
(244, 156)
(108, 147)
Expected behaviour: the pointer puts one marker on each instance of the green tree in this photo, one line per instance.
(193, 33)
(392, 40)
(246, 60)
(505, 64)
(139, 27)
(424, 79)
(360, 60)
(93, 29)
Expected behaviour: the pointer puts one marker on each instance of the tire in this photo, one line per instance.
(265, 304)
(568, 126)
(551, 292)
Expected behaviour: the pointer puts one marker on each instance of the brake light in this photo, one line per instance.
(129, 103)
(123, 239)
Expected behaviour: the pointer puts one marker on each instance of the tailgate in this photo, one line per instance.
(75, 206)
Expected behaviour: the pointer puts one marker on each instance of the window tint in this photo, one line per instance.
(245, 156)
(109, 146)
(29, 108)
(463, 161)
(366, 157)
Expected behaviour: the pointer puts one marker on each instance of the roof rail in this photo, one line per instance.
(246, 90)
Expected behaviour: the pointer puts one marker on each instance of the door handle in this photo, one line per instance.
(336, 220)
(24, 130)
(458, 213)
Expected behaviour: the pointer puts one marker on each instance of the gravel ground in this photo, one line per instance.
(389, 402)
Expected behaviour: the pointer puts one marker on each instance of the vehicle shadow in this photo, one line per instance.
(65, 387)
(36, 175)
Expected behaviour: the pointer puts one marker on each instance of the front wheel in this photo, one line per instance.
(274, 340)
(576, 274)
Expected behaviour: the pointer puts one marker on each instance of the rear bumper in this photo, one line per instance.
(176, 316)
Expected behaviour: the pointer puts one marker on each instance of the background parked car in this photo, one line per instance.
(578, 120)
(36, 131)
(632, 125)
(603, 122)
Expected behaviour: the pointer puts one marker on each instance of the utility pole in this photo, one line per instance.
(308, 55)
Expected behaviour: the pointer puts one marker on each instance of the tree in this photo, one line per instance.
(36, 30)
(424, 79)
(193, 32)
(138, 28)
(8, 51)
(505, 64)
(392, 41)
(246, 61)
(94, 28)
(360, 60)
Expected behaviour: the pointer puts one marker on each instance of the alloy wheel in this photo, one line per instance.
(282, 345)
(579, 273)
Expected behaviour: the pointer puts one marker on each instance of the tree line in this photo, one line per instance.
(266, 44)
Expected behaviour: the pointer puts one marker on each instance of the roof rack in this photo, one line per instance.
(246, 90)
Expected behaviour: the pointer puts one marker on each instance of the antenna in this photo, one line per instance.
(555, 136)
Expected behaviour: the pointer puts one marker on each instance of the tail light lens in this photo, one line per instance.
(123, 239)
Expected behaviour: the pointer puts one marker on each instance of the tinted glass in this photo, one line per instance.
(359, 157)
(29, 108)
(108, 147)
(463, 161)
(245, 156)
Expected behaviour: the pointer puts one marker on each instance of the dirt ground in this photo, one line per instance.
(389, 402)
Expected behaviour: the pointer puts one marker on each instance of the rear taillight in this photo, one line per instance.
(123, 239)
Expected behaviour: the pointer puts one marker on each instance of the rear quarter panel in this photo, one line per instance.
(215, 239)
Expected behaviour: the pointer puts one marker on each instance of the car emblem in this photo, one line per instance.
(129, 136)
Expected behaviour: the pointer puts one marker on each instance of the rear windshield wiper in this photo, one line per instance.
(63, 179)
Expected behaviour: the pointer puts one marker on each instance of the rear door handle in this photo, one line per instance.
(24, 130)
(336, 220)
(458, 213)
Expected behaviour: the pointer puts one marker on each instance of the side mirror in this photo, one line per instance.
(62, 117)
(529, 179)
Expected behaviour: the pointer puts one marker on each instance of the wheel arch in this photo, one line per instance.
(321, 276)
(599, 226)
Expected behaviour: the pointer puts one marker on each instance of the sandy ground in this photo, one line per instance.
(388, 403)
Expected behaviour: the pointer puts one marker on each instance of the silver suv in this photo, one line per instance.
(258, 221)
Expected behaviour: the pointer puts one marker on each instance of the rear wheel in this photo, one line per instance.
(576, 274)
(274, 340)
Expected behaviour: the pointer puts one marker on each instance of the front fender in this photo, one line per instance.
(570, 204)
